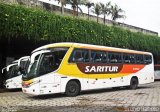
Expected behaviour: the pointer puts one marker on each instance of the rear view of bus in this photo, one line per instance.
(72, 67)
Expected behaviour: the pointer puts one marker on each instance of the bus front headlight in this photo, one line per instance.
(26, 84)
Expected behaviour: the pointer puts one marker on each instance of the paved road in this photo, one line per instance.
(99, 100)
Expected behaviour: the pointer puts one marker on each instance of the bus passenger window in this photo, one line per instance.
(115, 57)
(139, 59)
(98, 56)
(79, 55)
(129, 58)
(147, 59)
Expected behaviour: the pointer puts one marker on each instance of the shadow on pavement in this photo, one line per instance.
(10, 90)
(111, 90)
(49, 96)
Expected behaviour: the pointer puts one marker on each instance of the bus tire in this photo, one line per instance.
(72, 88)
(133, 83)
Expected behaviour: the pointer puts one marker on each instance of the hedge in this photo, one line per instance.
(20, 22)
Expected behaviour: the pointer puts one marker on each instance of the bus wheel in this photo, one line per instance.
(133, 83)
(72, 88)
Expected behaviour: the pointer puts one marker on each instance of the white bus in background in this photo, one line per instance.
(13, 73)
(73, 67)
(157, 72)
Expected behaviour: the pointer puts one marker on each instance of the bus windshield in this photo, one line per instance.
(44, 63)
(31, 69)
(13, 72)
(26, 66)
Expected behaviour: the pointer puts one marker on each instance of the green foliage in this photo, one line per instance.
(21, 22)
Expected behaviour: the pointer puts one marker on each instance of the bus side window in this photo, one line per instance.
(79, 55)
(115, 57)
(139, 59)
(147, 59)
(129, 58)
(98, 56)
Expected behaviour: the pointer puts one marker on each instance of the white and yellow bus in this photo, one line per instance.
(73, 67)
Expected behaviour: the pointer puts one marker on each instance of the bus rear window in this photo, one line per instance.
(147, 59)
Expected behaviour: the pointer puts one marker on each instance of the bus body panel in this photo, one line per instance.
(56, 83)
(157, 75)
(13, 83)
(157, 72)
(34, 88)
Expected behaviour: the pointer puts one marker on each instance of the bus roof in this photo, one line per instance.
(92, 47)
(10, 65)
(63, 44)
(15, 61)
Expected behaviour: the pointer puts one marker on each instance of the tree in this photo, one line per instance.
(47, 6)
(105, 10)
(89, 5)
(97, 10)
(75, 5)
(63, 3)
(115, 13)
(21, 2)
